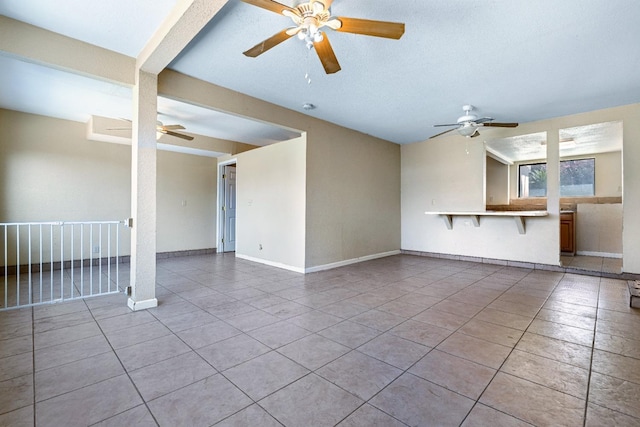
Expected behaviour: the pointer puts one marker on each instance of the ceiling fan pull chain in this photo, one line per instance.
(307, 75)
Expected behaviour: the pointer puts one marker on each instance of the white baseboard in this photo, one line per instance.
(318, 267)
(270, 263)
(600, 254)
(350, 261)
(142, 305)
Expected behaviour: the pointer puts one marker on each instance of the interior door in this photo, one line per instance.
(229, 209)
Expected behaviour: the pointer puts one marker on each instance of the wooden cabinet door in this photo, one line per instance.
(566, 236)
(567, 233)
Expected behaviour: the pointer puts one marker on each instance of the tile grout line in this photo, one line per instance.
(218, 372)
(593, 346)
(406, 371)
(311, 371)
(125, 371)
(513, 348)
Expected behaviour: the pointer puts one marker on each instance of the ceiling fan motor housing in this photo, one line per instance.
(467, 118)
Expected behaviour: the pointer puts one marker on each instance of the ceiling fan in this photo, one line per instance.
(309, 19)
(163, 129)
(468, 124)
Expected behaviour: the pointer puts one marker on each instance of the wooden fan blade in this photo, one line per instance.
(442, 133)
(178, 135)
(448, 124)
(326, 55)
(273, 6)
(172, 127)
(501, 125)
(293, 31)
(267, 44)
(390, 30)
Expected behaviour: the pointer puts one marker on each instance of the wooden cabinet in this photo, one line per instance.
(567, 233)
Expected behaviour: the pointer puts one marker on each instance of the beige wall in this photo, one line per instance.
(353, 179)
(497, 238)
(599, 229)
(353, 197)
(49, 171)
(609, 174)
(186, 202)
(447, 174)
(270, 210)
(497, 182)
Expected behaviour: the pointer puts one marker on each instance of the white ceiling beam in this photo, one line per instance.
(33, 44)
(495, 155)
(184, 22)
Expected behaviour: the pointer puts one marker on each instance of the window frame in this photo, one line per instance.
(520, 165)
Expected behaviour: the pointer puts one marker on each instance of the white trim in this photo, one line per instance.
(351, 261)
(319, 267)
(600, 254)
(142, 305)
(219, 202)
(498, 156)
(228, 162)
(271, 263)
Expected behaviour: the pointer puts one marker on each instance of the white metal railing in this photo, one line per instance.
(48, 262)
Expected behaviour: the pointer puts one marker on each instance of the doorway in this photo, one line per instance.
(227, 207)
(591, 196)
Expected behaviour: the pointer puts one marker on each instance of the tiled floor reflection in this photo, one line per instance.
(403, 340)
(593, 264)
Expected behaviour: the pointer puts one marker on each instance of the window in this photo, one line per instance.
(533, 180)
(577, 179)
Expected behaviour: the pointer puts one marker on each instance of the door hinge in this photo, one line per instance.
(222, 240)
(224, 176)
(224, 208)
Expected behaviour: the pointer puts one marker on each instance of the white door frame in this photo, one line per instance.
(220, 203)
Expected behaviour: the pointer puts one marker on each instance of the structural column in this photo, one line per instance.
(143, 192)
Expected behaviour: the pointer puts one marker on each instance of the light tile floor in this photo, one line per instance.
(403, 340)
(593, 264)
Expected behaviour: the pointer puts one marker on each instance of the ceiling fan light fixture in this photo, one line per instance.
(310, 17)
(467, 130)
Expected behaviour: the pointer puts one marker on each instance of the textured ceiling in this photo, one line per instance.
(516, 61)
(577, 141)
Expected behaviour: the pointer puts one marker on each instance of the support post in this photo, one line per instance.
(448, 220)
(143, 192)
(520, 224)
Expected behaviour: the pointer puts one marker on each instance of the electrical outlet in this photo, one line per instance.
(184, 203)
(433, 202)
